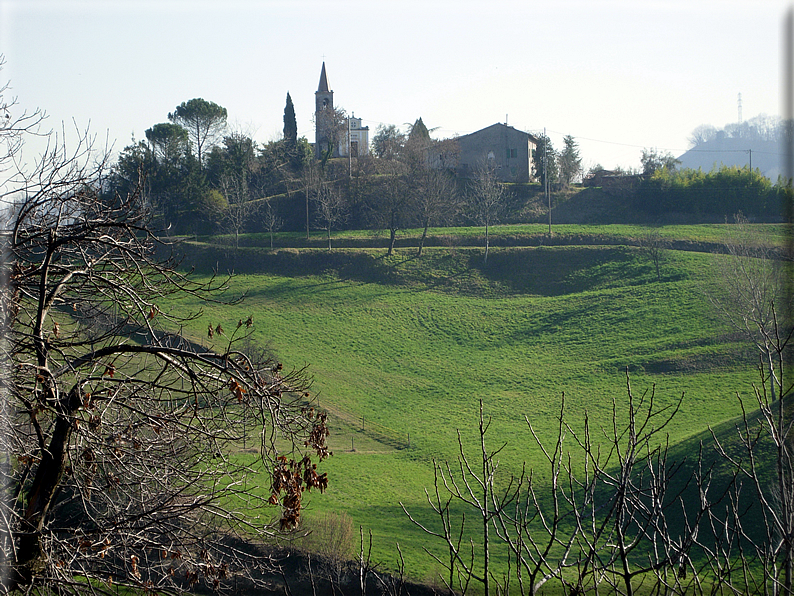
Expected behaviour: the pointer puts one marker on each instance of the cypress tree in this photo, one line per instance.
(419, 131)
(290, 123)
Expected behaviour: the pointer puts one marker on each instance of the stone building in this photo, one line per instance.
(507, 149)
(346, 137)
(324, 116)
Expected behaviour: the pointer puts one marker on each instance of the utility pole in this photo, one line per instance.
(546, 173)
(349, 152)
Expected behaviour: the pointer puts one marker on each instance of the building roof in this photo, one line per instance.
(323, 87)
(499, 125)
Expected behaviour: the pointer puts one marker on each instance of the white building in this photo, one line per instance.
(356, 138)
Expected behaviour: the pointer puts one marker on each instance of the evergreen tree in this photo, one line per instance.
(419, 131)
(290, 124)
(205, 122)
(569, 161)
(169, 142)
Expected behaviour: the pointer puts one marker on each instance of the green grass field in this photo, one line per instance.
(407, 347)
(512, 234)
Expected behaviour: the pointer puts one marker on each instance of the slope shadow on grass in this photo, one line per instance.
(556, 271)
(543, 271)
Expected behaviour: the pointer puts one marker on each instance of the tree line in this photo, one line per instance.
(199, 177)
(721, 192)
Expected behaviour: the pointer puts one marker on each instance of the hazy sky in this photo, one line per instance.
(618, 75)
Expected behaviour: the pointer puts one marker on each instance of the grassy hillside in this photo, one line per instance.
(402, 349)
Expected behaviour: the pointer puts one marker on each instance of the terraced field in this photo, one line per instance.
(402, 350)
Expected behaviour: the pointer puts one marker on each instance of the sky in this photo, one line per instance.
(617, 75)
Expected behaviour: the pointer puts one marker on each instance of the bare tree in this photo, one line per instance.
(120, 438)
(487, 200)
(15, 127)
(331, 537)
(436, 201)
(310, 182)
(391, 209)
(457, 564)
(768, 431)
(417, 186)
(331, 207)
(702, 135)
(394, 584)
(474, 486)
(654, 246)
(240, 210)
(601, 519)
(747, 288)
(271, 220)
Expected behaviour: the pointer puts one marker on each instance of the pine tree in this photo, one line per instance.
(570, 162)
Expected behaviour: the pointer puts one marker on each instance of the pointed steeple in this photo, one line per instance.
(323, 88)
(323, 110)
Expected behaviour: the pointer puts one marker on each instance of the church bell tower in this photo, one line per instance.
(323, 115)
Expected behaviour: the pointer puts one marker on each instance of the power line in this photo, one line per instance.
(590, 139)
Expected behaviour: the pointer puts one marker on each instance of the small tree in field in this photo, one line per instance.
(654, 246)
(436, 200)
(271, 220)
(487, 195)
(331, 208)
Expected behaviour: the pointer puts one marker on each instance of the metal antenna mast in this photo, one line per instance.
(740, 108)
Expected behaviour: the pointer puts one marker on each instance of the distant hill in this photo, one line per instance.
(767, 156)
